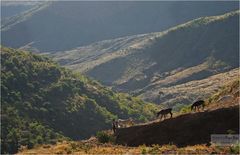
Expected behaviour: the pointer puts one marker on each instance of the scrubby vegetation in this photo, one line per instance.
(43, 102)
(105, 137)
(231, 87)
(93, 147)
(19, 131)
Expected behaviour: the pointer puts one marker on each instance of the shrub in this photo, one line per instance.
(155, 149)
(235, 149)
(185, 109)
(53, 141)
(30, 145)
(103, 137)
(143, 149)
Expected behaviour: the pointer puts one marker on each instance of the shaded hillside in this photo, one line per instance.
(41, 102)
(65, 25)
(184, 130)
(149, 63)
(19, 17)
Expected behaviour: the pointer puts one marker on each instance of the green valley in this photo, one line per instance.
(43, 102)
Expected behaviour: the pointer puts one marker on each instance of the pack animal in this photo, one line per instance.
(163, 113)
(197, 105)
(125, 122)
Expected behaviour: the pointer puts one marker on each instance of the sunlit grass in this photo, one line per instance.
(95, 147)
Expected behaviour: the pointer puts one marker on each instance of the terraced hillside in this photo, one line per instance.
(164, 61)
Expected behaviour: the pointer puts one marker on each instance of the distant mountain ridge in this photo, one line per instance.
(11, 21)
(66, 25)
(151, 62)
(12, 8)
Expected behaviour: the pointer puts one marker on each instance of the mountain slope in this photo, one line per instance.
(13, 8)
(190, 128)
(183, 134)
(12, 20)
(145, 64)
(185, 130)
(180, 95)
(66, 25)
(42, 101)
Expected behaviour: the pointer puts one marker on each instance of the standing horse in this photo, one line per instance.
(197, 104)
(164, 113)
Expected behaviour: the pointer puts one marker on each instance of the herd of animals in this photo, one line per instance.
(121, 123)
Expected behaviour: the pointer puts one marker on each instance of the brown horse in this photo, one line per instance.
(164, 113)
(197, 104)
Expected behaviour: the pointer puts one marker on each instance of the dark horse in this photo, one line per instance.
(164, 113)
(197, 105)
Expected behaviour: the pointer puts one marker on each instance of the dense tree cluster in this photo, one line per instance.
(43, 102)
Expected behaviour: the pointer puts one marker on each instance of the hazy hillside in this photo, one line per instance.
(12, 8)
(65, 25)
(164, 61)
(18, 16)
(42, 102)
